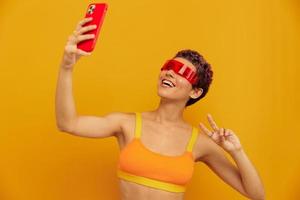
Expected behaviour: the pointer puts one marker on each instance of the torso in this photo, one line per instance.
(169, 141)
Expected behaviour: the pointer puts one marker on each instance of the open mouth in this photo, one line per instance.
(167, 83)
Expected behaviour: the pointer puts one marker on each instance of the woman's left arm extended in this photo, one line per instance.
(243, 177)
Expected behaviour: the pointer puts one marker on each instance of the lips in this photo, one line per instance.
(168, 82)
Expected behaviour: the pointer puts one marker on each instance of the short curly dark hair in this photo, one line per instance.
(204, 72)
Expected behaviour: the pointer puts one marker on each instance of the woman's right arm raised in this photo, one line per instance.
(67, 119)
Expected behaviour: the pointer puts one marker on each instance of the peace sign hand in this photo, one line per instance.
(226, 138)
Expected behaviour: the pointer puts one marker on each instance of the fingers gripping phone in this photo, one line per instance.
(97, 11)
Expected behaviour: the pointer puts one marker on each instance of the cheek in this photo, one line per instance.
(160, 76)
(183, 83)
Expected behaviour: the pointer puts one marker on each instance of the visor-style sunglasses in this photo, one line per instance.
(181, 69)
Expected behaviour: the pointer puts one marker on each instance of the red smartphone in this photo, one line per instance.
(97, 11)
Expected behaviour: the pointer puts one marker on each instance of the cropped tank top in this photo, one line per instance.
(140, 165)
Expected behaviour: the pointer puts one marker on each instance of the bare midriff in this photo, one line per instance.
(134, 191)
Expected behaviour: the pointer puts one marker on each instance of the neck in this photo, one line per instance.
(169, 112)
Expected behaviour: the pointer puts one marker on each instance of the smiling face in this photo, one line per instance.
(182, 90)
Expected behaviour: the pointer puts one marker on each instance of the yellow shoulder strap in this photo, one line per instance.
(192, 139)
(138, 123)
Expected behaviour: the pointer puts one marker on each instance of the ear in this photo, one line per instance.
(195, 93)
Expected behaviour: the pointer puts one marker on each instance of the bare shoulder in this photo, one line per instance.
(127, 122)
(204, 146)
(121, 116)
(125, 118)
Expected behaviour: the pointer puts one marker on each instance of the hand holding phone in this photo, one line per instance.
(84, 37)
(97, 11)
(71, 52)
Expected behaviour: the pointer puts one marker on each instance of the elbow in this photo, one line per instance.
(59, 126)
(259, 195)
(262, 197)
(62, 128)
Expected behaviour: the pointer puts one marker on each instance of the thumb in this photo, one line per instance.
(83, 53)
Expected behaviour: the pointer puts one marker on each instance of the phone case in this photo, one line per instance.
(97, 11)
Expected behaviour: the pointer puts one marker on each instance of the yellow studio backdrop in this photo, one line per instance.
(253, 47)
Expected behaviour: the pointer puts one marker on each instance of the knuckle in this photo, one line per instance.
(84, 29)
(92, 27)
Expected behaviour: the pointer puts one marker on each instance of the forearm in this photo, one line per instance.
(64, 102)
(250, 178)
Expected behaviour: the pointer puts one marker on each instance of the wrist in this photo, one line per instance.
(66, 66)
(236, 152)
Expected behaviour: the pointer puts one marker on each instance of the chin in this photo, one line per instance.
(166, 93)
(163, 93)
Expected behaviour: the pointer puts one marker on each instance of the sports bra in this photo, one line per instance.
(143, 166)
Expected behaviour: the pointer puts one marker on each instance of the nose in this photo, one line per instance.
(170, 73)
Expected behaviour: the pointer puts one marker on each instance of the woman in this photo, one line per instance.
(159, 148)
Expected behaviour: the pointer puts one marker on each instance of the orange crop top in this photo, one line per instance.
(140, 165)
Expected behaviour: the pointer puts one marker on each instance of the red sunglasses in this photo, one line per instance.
(181, 69)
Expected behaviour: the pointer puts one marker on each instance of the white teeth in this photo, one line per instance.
(168, 82)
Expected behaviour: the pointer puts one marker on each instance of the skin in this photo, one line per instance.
(166, 132)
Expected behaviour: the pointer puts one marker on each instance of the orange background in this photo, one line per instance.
(253, 47)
